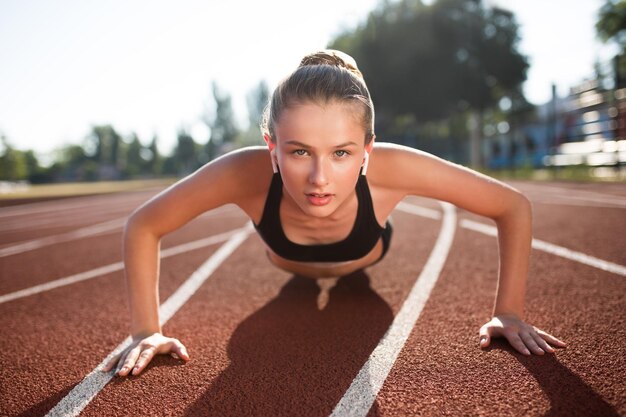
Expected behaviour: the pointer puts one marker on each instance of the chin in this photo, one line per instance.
(318, 211)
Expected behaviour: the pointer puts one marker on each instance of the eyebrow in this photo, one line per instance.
(304, 145)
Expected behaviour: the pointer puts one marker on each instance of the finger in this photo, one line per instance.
(130, 360)
(120, 363)
(181, 351)
(517, 343)
(542, 343)
(145, 358)
(530, 343)
(484, 336)
(176, 349)
(111, 363)
(551, 339)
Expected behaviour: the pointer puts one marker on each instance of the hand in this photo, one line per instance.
(137, 356)
(522, 336)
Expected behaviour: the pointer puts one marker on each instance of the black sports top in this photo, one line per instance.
(364, 235)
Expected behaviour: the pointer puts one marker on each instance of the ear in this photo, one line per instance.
(370, 146)
(366, 158)
(271, 146)
(270, 143)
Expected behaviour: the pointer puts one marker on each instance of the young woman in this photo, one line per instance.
(319, 196)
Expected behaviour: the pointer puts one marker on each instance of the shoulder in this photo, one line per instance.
(240, 174)
(400, 167)
(409, 171)
(241, 177)
(416, 172)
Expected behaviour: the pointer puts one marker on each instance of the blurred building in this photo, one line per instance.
(588, 127)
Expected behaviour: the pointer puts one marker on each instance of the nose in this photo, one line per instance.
(319, 173)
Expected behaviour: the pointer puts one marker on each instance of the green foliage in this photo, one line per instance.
(13, 163)
(186, 155)
(134, 161)
(154, 161)
(256, 100)
(434, 61)
(611, 24)
(222, 123)
(106, 154)
(106, 142)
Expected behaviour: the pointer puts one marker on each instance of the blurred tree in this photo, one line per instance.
(154, 163)
(437, 60)
(134, 160)
(256, 101)
(611, 24)
(185, 154)
(73, 164)
(32, 164)
(106, 143)
(36, 173)
(222, 124)
(13, 164)
(611, 27)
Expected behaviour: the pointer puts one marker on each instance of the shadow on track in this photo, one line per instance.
(291, 358)
(569, 395)
(42, 407)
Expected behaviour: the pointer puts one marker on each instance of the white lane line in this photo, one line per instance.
(107, 269)
(573, 192)
(612, 201)
(82, 394)
(564, 202)
(536, 243)
(56, 220)
(418, 210)
(63, 205)
(100, 228)
(68, 217)
(553, 249)
(362, 393)
(96, 229)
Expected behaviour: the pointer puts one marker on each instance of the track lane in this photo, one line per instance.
(443, 371)
(261, 345)
(581, 304)
(25, 270)
(19, 224)
(59, 336)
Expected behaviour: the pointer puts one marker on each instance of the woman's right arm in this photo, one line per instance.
(217, 183)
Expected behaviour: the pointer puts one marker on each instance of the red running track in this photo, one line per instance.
(264, 342)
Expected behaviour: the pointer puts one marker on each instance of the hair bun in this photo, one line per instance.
(334, 58)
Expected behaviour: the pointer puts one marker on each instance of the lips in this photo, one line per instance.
(319, 199)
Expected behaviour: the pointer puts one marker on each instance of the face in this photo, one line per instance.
(319, 151)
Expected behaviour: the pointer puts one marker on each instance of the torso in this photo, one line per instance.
(306, 230)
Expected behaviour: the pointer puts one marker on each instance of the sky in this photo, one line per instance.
(146, 66)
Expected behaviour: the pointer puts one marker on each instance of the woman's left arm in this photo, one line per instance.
(423, 174)
(514, 242)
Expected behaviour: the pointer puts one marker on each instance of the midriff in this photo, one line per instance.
(326, 269)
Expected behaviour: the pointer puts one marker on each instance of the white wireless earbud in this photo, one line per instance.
(366, 160)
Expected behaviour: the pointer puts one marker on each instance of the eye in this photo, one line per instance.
(341, 153)
(300, 152)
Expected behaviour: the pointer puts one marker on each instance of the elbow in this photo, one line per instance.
(138, 223)
(517, 206)
(522, 203)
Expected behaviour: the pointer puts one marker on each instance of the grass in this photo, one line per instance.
(25, 191)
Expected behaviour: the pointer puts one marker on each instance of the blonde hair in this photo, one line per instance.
(322, 77)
